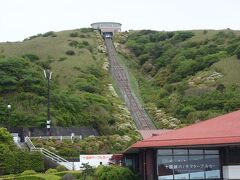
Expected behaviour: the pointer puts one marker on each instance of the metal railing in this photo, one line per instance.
(48, 154)
(58, 137)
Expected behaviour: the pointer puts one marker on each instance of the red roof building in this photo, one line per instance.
(206, 150)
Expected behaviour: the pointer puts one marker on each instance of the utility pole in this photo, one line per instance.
(9, 107)
(48, 76)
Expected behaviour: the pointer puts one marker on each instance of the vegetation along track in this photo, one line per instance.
(142, 120)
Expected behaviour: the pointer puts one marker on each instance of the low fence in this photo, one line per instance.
(58, 137)
(56, 132)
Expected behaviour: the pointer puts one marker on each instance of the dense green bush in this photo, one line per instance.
(89, 145)
(172, 60)
(33, 37)
(49, 34)
(238, 53)
(31, 57)
(16, 161)
(70, 52)
(74, 34)
(86, 30)
(50, 170)
(183, 35)
(78, 44)
(28, 172)
(61, 168)
(114, 172)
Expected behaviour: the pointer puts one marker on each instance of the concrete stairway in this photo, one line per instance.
(49, 155)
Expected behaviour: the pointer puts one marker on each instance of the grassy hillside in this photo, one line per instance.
(51, 49)
(81, 88)
(184, 76)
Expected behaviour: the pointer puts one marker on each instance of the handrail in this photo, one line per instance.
(29, 143)
(54, 157)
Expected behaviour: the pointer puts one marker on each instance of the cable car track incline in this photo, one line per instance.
(141, 118)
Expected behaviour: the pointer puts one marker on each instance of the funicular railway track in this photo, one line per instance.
(142, 120)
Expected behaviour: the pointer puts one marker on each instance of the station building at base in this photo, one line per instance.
(206, 150)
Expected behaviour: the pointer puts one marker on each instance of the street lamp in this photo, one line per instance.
(9, 107)
(48, 76)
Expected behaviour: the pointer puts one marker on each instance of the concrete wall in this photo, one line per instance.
(231, 172)
(56, 131)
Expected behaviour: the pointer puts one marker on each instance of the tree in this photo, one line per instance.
(87, 170)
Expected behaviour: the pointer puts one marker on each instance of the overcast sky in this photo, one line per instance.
(22, 18)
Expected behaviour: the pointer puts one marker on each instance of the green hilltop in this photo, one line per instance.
(183, 76)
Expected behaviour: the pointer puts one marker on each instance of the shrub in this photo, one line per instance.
(220, 88)
(31, 57)
(88, 170)
(82, 36)
(183, 35)
(114, 172)
(70, 52)
(28, 172)
(50, 33)
(44, 65)
(85, 43)
(238, 53)
(50, 170)
(61, 168)
(74, 43)
(86, 30)
(74, 34)
(32, 37)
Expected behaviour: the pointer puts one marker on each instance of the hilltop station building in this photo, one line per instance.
(206, 150)
(107, 29)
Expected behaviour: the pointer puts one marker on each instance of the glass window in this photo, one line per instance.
(195, 151)
(129, 162)
(212, 166)
(180, 151)
(165, 152)
(211, 152)
(188, 164)
(165, 167)
(181, 167)
(196, 166)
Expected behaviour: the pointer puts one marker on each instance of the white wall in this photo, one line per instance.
(93, 160)
(231, 172)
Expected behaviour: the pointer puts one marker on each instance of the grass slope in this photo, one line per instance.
(81, 90)
(52, 50)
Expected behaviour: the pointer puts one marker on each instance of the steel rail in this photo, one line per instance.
(141, 118)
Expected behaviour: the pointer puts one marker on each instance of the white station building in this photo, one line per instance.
(107, 28)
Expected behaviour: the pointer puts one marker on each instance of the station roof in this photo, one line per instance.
(106, 23)
(221, 130)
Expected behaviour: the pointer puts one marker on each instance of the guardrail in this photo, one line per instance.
(58, 137)
(48, 154)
